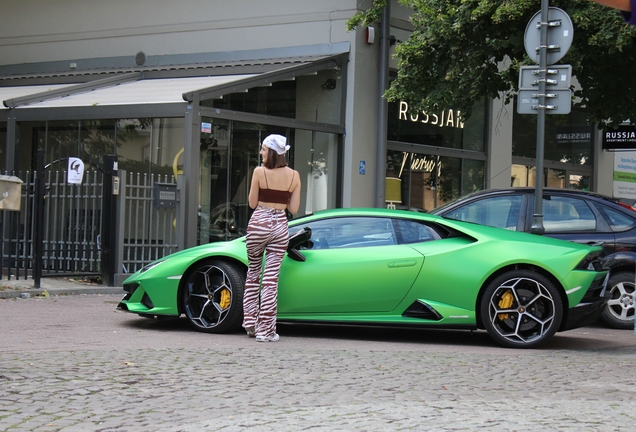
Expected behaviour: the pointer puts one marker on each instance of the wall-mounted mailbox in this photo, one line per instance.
(10, 192)
(165, 195)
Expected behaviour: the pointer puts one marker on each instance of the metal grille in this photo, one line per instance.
(72, 223)
(149, 232)
(72, 226)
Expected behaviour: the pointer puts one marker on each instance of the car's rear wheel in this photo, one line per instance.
(521, 309)
(213, 296)
(619, 312)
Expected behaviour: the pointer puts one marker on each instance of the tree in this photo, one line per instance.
(463, 50)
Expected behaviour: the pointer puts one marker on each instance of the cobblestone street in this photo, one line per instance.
(76, 364)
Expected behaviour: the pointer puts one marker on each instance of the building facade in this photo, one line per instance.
(189, 89)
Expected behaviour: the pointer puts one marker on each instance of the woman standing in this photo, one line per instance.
(275, 187)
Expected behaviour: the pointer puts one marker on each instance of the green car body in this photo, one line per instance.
(389, 267)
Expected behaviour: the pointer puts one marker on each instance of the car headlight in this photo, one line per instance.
(151, 265)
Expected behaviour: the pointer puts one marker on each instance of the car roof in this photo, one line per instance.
(465, 228)
(526, 190)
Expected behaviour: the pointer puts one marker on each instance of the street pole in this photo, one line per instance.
(383, 116)
(537, 217)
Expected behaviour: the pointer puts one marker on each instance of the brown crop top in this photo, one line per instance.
(274, 195)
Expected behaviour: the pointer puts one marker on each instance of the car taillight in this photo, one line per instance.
(591, 262)
(627, 206)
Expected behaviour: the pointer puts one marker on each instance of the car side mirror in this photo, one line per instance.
(295, 241)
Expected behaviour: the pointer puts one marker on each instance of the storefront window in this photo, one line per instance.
(150, 146)
(428, 181)
(567, 139)
(525, 176)
(229, 153)
(316, 156)
(147, 146)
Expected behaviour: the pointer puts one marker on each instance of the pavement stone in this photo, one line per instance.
(277, 387)
(203, 389)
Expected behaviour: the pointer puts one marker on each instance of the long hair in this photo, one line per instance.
(274, 160)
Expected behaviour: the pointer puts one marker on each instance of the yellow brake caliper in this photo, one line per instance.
(225, 299)
(507, 299)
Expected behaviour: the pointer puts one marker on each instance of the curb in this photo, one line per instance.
(42, 292)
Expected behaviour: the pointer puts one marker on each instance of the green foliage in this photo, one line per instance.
(463, 50)
(364, 18)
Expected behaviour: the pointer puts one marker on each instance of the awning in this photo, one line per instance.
(133, 94)
(7, 93)
(141, 92)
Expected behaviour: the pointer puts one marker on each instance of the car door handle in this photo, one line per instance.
(402, 263)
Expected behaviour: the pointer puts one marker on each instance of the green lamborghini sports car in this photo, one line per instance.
(389, 268)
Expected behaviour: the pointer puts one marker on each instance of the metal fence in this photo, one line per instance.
(149, 233)
(72, 223)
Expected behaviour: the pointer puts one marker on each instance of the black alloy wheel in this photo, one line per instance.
(521, 309)
(213, 296)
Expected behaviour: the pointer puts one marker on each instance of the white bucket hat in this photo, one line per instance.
(278, 143)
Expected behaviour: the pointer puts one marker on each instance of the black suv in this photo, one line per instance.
(573, 215)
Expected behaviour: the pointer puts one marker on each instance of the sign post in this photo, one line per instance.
(542, 89)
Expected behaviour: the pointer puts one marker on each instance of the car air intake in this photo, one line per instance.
(421, 310)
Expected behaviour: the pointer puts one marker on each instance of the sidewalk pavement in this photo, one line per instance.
(25, 288)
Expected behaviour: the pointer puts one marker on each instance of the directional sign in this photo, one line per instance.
(560, 35)
(557, 77)
(556, 101)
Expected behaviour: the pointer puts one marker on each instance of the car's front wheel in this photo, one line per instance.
(213, 296)
(521, 309)
(619, 312)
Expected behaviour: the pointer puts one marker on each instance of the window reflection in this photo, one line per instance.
(429, 181)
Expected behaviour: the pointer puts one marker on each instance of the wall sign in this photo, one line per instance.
(447, 118)
(75, 172)
(619, 139)
(625, 174)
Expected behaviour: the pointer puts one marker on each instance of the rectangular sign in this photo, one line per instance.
(556, 101)
(624, 137)
(625, 175)
(557, 76)
(165, 195)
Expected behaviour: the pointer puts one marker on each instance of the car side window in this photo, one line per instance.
(616, 220)
(409, 231)
(565, 214)
(499, 212)
(349, 232)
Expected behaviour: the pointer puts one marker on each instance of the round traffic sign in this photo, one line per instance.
(560, 35)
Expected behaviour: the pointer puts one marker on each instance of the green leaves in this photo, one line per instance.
(463, 50)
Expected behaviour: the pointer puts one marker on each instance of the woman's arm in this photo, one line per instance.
(254, 187)
(294, 202)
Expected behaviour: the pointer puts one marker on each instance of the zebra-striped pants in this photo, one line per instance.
(267, 232)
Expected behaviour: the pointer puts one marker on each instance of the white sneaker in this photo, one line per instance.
(249, 331)
(274, 338)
